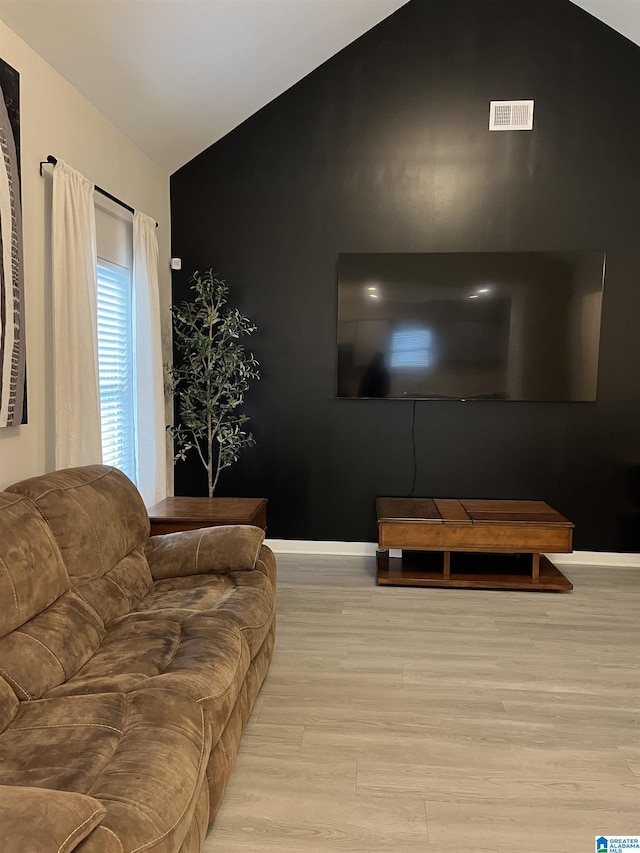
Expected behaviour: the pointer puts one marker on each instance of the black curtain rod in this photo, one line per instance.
(51, 160)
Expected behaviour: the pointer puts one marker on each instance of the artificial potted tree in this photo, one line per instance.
(210, 376)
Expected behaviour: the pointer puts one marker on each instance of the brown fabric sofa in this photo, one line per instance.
(128, 666)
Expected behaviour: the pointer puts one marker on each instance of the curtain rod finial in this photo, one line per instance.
(50, 161)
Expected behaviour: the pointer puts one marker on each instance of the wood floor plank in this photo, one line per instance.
(293, 775)
(265, 740)
(525, 829)
(272, 819)
(446, 784)
(428, 721)
(539, 758)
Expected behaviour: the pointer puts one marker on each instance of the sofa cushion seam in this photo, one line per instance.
(76, 591)
(18, 498)
(255, 559)
(78, 828)
(176, 646)
(124, 728)
(116, 584)
(13, 589)
(197, 554)
(257, 627)
(95, 532)
(66, 726)
(17, 684)
(229, 685)
(47, 649)
(67, 488)
(110, 831)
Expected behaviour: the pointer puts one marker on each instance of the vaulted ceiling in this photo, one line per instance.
(176, 75)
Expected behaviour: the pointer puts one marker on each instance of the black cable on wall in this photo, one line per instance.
(413, 446)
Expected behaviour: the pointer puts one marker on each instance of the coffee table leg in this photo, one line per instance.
(382, 558)
(447, 563)
(382, 564)
(535, 566)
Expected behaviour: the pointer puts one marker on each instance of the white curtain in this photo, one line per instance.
(151, 459)
(75, 357)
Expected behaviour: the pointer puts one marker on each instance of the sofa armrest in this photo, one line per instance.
(46, 820)
(211, 550)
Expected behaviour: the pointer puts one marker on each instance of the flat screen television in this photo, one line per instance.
(470, 325)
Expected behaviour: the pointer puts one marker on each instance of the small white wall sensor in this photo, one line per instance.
(176, 263)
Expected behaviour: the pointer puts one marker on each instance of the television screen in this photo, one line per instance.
(470, 325)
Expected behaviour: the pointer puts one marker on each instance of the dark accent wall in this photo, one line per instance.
(386, 148)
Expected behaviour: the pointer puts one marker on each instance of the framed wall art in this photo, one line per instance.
(13, 396)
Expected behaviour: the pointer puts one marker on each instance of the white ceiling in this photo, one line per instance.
(176, 75)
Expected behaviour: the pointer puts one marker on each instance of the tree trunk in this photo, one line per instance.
(215, 482)
(211, 483)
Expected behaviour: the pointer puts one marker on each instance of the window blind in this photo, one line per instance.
(115, 366)
(411, 348)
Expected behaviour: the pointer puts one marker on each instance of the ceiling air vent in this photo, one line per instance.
(511, 115)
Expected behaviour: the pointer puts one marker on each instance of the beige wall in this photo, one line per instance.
(56, 119)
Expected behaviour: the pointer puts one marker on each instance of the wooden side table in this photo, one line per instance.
(182, 513)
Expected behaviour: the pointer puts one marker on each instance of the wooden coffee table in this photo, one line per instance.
(487, 537)
(183, 513)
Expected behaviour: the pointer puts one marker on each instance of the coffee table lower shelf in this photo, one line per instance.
(469, 571)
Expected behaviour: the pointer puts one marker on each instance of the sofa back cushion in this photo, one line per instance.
(101, 526)
(32, 574)
(47, 632)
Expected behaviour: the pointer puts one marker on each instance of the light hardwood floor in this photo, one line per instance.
(399, 720)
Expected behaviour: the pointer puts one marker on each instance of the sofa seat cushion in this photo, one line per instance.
(246, 599)
(205, 659)
(142, 755)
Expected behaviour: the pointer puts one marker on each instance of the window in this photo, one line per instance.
(115, 366)
(411, 348)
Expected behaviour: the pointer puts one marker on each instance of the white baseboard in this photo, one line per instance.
(368, 549)
(312, 546)
(610, 559)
